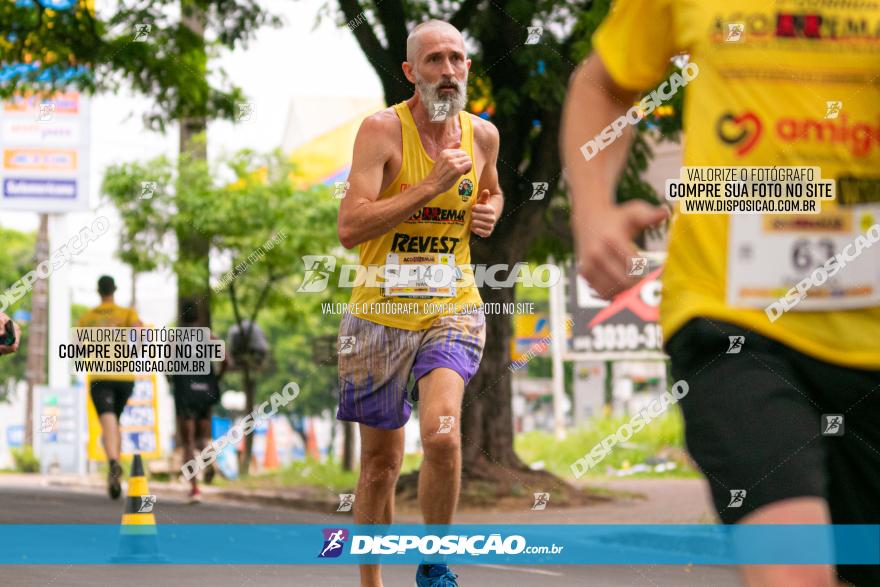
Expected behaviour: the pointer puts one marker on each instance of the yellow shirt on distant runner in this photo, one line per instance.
(438, 234)
(109, 315)
(787, 83)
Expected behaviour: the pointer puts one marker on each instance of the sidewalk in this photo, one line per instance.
(306, 498)
(635, 501)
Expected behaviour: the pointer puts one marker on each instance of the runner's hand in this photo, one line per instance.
(6, 350)
(450, 165)
(606, 245)
(483, 215)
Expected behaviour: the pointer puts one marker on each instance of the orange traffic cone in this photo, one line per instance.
(271, 459)
(138, 538)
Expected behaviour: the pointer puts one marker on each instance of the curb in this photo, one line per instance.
(246, 496)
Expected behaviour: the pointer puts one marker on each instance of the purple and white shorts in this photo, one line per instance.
(375, 365)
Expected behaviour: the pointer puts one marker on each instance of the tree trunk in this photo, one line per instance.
(249, 393)
(134, 277)
(487, 417)
(193, 245)
(38, 331)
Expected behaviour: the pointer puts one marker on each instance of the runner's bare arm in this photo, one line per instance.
(603, 232)
(488, 207)
(593, 101)
(362, 215)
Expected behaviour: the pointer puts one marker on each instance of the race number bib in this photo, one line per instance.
(833, 258)
(420, 275)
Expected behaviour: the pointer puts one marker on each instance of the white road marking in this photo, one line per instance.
(522, 570)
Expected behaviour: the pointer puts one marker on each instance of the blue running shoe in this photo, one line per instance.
(435, 576)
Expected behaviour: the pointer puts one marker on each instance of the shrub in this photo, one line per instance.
(25, 460)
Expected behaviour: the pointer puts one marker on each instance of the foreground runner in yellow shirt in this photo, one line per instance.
(782, 416)
(423, 178)
(110, 392)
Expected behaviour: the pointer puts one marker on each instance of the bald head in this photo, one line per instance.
(437, 64)
(431, 31)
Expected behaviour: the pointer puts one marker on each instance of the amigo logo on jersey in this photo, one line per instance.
(436, 215)
(405, 243)
(744, 130)
(741, 131)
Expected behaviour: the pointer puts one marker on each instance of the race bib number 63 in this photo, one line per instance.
(832, 260)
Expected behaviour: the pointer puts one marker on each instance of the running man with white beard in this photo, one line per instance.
(423, 177)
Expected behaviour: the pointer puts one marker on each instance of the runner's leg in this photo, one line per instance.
(752, 424)
(109, 399)
(202, 433)
(121, 391)
(203, 438)
(373, 392)
(853, 457)
(381, 457)
(440, 395)
(110, 435)
(799, 510)
(104, 400)
(186, 431)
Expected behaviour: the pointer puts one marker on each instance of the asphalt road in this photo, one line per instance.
(51, 505)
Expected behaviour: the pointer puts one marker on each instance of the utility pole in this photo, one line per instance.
(38, 331)
(557, 344)
(134, 277)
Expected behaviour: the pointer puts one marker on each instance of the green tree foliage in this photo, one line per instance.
(16, 260)
(259, 227)
(162, 49)
(291, 329)
(77, 48)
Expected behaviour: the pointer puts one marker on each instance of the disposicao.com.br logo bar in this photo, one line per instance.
(576, 544)
(608, 544)
(431, 544)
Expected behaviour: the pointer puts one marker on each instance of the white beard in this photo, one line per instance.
(441, 107)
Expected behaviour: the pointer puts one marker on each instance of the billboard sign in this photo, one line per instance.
(627, 325)
(138, 425)
(44, 152)
(58, 436)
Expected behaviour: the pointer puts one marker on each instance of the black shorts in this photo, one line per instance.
(194, 395)
(111, 396)
(192, 409)
(762, 420)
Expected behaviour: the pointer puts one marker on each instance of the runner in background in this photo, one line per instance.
(194, 396)
(783, 83)
(110, 391)
(16, 332)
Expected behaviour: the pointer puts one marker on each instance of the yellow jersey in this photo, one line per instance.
(787, 83)
(109, 315)
(438, 234)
